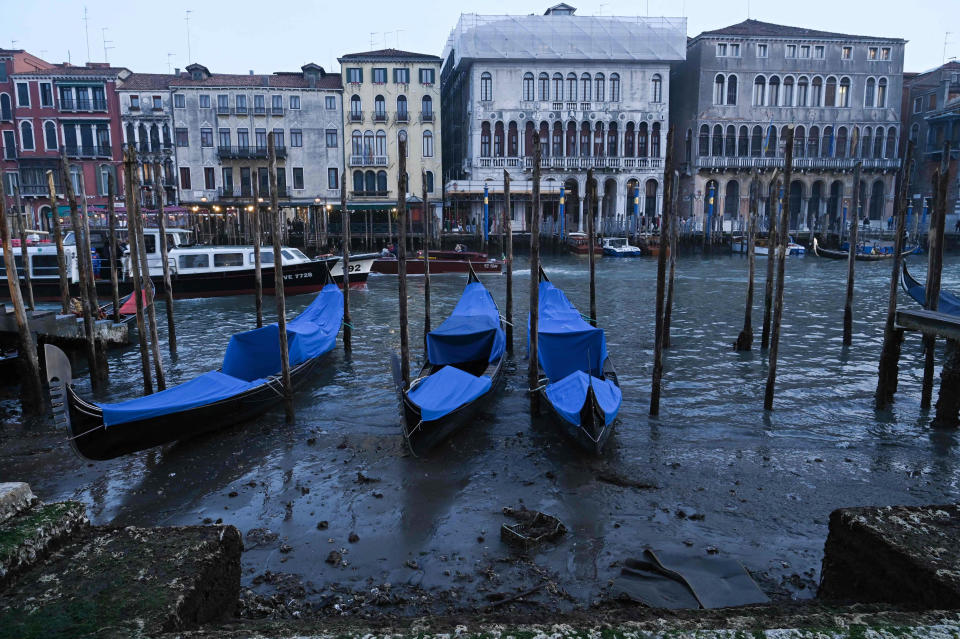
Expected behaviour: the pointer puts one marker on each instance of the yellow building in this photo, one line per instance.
(389, 95)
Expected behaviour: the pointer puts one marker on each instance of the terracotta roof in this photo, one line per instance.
(79, 71)
(292, 80)
(137, 81)
(390, 54)
(767, 29)
(10, 51)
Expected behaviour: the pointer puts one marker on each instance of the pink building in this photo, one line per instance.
(72, 110)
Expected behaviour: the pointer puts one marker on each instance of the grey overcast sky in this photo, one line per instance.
(282, 35)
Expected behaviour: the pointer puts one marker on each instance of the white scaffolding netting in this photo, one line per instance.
(567, 37)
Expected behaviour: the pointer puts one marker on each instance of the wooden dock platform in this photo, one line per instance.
(930, 323)
(51, 326)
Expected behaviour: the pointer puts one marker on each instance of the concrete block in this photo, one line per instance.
(14, 497)
(32, 534)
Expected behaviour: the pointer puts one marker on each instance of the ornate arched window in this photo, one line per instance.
(656, 88)
(356, 109)
(50, 135)
(558, 87)
(380, 146)
(485, 140)
(402, 113)
(614, 87)
(486, 86)
(756, 142)
(600, 89)
(380, 109)
(356, 143)
(719, 89)
(585, 87)
(803, 87)
(655, 140)
(543, 87)
(358, 181)
(759, 91)
(27, 142)
(816, 92)
(843, 93)
(571, 87)
(528, 95)
(717, 140)
(774, 83)
(732, 90)
(382, 181)
(882, 92)
(426, 108)
(830, 94)
(703, 142)
(869, 93)
(788, 91)
(743, 142)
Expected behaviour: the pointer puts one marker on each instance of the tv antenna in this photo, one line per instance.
(946, 41)
(189, 53)
(169, 68)
(103, 31)
(86, 30)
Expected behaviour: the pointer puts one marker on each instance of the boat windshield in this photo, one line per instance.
(298, 254)
(70, 239)
(616, 242)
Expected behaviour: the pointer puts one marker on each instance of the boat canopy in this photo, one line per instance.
(566, 342)
(570, 393)
(471, 333)
(251, 357)
(447, 390)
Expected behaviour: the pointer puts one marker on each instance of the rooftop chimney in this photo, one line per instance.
(251, 71)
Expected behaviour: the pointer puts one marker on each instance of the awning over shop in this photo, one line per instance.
(370, 206)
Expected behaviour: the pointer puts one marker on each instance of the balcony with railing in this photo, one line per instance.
(240, 110)
(403, 116)
(426, 116)
(223, 109)
(380, 116)
(88, 151)
(259, 110)
(356, 116)
(239, 192)
(248, 152)
(373, 193)
(276, 110)
(368, 160)
(816, 163)
(83, 104)
(577, 163)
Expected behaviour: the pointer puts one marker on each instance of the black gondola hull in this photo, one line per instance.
(91, 439)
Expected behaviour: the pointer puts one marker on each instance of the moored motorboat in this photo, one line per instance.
(948, 302)
(577, 379)
(761, 246)
(440, 262)
(462, 371)
(864, 253)
(248, 383)
(578, 243)
(620, 247)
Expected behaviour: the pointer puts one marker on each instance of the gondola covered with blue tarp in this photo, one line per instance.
(948, 303)
(577, 378)
(246, 385)
(464, 366)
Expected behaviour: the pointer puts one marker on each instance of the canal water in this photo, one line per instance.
(713, 474)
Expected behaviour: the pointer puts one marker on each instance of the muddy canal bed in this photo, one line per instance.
(339, 519)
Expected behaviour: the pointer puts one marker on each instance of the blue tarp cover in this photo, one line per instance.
(949, 303)
(251, 357)
(566, 342)
(447, 390)
(471, 333)
(569, 394)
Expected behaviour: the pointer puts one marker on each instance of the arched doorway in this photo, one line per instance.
(876, 201)
(815, 204)
(650, 201)
(710, 196)
(731, 202)
(796, 202)
(571, 207)
(834, 204)
(611, 223)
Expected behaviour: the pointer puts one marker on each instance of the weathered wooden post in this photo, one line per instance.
(935, 268)
(672, 257)
(85, 301)
(164, 259)
(892, 336)
(533, 369)
(508, 230)
(102, 370)
(745, 339)
(852, 256)
(257, 259)
(276, 235)
(131, 186)
(591, 241)
(781, 257)
(345, 229)
(24, 253)
(668, 177)
(135, 222)
(112, 222)
(31, 396)
(58, 240)
(426, 257)
(402, 262)
(772, 241)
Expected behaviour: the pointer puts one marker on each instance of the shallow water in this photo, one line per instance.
(764, 483)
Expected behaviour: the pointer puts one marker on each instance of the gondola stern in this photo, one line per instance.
(59, 379)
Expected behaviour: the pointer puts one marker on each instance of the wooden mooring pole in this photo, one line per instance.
(781, 256)
(744, 340)
(948, 402)
(112, 238)
(345, 230)
(772, 238)
(135, 220)
(58, 240)
(508, 230)
(656, 381)
(892, 336)
(278, 224)
(85, 301)
(533, 368)
(31, 397)
(935, 269)
(672, 257)
(257, 259)
(591, 241)
(131, 186)
(426, 257)
(99, 344)
(24, 253)
(164, 259)
(852, 256)
(402, 262)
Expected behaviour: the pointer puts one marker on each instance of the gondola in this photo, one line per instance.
(834, 254)
(462, 371)
(245, 386)
(577, 379)
(949, 303)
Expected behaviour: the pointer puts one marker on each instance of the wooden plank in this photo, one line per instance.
(929, 323)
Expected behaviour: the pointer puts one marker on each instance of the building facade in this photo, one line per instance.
(931, 117)
(739, 89)
(220, 127)
(389, 95)
(596, 89)
(146, 118)
(71, 110)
